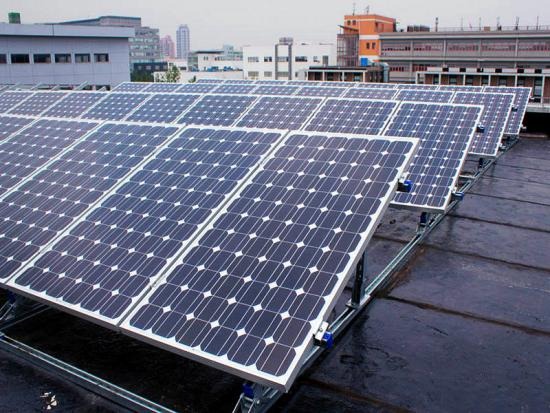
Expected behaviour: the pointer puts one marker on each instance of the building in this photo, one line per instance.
(183, 42)
(214, 60)
(167, 47)
(416, 48)
(144, 46)
(64, 55)
(286, 60)
(375, 73)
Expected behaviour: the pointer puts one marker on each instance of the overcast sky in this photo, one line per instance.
(260, 22)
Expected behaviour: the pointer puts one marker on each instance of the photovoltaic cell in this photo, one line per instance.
(416, 86)
(421, 95)
(275, 90)
(131, 87)
(279, 112)
(521, 101)
(445, 132)
(37, 103)
(377, 85)
(116, 106)
(457, 88)
(11, 124)
(497, 109)
(210, 81)
(321, 91)
(366, 93)
(123, 245)
(250, 293)
(45, 205)
(338, 84)
(197, 88)
(303, 83)
(217, 110)
(33, 147)
(163, 108)
(234, 89)
(238, 82)
(162, 87)
(75, 104)
(10, 99)
(271, 82)
(352, 116)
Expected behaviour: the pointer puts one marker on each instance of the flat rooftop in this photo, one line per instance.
(465, 325)
(64, 30)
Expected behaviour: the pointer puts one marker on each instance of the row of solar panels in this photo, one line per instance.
(448, 131)
(229, 246)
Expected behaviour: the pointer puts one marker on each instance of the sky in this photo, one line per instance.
(260, 22)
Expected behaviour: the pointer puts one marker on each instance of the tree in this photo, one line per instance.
(173, 74)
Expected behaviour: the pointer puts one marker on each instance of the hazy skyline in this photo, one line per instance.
(242, 22)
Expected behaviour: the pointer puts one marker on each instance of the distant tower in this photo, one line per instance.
(183, 43)
(168, 47)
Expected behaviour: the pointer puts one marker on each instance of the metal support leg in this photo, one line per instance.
(358, 290)
(256, 398)
(481, 163)
(423, 221)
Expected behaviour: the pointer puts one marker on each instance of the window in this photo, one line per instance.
(373, 45)
(436, 47)
(282, 59)
(253, 59)
(436, 80)
(502, 81)
(469, 81)
(42, 58)
(101, 57)
(3, 59)
(485, 80)
(63, 58)
(20, 58)
(534, 46)
(419, 67)
(498, 47)
(268, 74)
(282, 74)
(521, 81)
(253, 74)
(397, 69)
(316, 59)
(463, 47)
(396, 47)
(452, 80)
(368, 46)
(268, 59)
(300, 59)
(82, 58)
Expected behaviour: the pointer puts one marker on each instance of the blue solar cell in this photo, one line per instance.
(37, 103)
(234, 89)
(75, 104)
(11, 124)
(210, 81)
(421, 95)
(339, 84)
(217, 110)
(377, 85)
(417, 86)
(271, 82)
(251, 292)
(497, 109)
(521, 101)
(197, 88)
(10, 99)
(303, 83)
(352, 116)
(320, 91)
(238, 82)
(276, 90)
(278, 112)
(163, 108)
(36, 145)
(457, 88)
(131, 87)
(123, 245)
(446, 132)
(45, 205)
(367, 93)
(162, 87)
(116, 106)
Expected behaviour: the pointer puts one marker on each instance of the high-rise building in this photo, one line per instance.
(167, 47)
(183, 41)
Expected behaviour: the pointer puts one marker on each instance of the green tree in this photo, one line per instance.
(173, 74)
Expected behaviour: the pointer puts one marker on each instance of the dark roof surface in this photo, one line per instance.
(465, 327)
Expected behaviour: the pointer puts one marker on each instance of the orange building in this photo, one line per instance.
(364, 30)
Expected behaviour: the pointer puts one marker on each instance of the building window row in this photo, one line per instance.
(403, 47)
(535, 46)
(463, 47)
(45, 58)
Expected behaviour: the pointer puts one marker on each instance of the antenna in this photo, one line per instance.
(436, 23)
(367, 10)
(480, 24)
(499, 27)
(462, 23)
(354, 4)
(517, 22)
(538, 22)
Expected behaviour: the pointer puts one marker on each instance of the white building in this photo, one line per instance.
(64, 55)
(183, 42)
(286, 60)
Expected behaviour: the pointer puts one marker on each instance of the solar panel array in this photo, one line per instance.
(11, 99)
(521, 100)
(12, 124)
(37, 103)
(163, 108)
(75, 104)
(421, 95)
(217, 110)
(366, 93)
(116, 106)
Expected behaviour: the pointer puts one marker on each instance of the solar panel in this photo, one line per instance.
(163, 108)
(197, 88)
(366, 93)
(10, 99)
(116, 106)
(280, 112)
(446, 132)
(303, 83)
(210, 81)
(457, 88)
(37, 103)
(339, 84)
(412, 86)
(33, 147)
(75, 104)
(377, 85)
(238, 81)
(217, 110)
(102, 267)
(521, 100)
(254, 288)
(45, 205)
(235, 89)
(271, 82)
(11, 124)
(497, 109)
(276, 90)
(162, 87)
(352, 116)
(131, 87)
(421, 95)
(320, 91)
